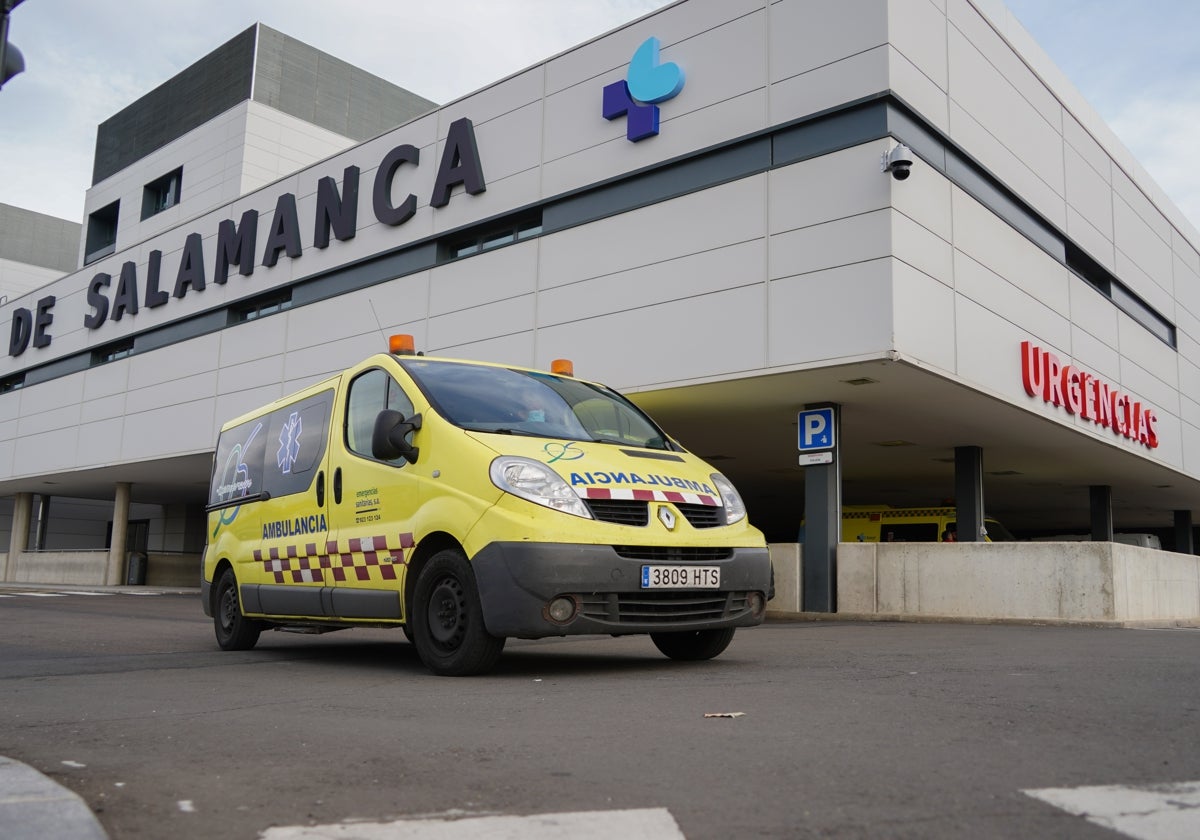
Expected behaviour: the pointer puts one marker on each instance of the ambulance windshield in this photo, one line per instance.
(518, 402)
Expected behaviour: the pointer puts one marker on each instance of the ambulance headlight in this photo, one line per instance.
(735, 508)
(536, 483)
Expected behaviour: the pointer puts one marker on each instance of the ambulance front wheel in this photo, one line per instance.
(234, 630)
(447, 619)
(693, 645)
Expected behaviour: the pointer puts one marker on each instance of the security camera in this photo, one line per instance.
(898, 161)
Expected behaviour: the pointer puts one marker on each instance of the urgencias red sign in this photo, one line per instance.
(1088, 396)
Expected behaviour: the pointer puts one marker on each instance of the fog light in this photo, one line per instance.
(756, 603)
(561, 609)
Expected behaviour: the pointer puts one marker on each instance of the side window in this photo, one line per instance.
(370, 393)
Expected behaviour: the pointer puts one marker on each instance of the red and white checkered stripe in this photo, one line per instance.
(649, 496)
(358, 556)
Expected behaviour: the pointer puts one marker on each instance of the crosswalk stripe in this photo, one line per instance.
(635, 824)
(1169, 811)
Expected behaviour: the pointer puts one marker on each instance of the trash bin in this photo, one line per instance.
(136, 575)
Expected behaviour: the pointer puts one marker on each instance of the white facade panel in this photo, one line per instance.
(723, 215)
(1149, 253)
(835, 314)
(924, 322)
(691, 275)
(504, 273)
(829, 85)
(833, 186)
(159, 432)
(489, 320)
(989, 241)
(919, 91)
(922, 249)
(1003, 299)
(184, 389)
(805, 36)
(681, 339)
(1089, 192)
(841, 242)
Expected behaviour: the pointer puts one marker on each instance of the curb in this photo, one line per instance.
(32, 807)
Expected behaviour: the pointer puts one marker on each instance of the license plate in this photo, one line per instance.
(681, 577)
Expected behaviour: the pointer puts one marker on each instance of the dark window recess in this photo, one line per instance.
(489, 236)
(12, 383)
(162, 193)
(112, 352)
(260, 307)
(1098, 278)
(101, 233)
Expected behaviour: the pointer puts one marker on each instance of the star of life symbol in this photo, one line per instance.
(289, 443)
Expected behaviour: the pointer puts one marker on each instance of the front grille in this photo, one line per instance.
(702, 516)
(673, 553)
(662, 607)
(619, 511)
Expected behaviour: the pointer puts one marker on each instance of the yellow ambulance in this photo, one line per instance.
(469, 502)
(883, 523)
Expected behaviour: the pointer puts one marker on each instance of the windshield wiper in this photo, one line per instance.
(504, 431)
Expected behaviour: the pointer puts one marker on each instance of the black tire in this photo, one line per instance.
(693, 645)
(234, 630)
(447, 620)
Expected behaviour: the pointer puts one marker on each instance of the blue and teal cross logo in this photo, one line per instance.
(646, 84)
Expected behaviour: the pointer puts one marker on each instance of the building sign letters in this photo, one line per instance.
(1087, 396)
(237, 245)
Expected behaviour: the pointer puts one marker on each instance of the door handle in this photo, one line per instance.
(337, 486)
(321, 489)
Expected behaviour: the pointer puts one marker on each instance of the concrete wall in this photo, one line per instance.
(87, 568)
(1071, 582)
(81, 568)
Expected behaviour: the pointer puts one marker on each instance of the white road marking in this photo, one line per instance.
(1169, 811)
(639, 824)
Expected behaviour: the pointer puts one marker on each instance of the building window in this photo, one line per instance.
(162, 193)
(492, 236)
(260, 307)
(12, 383)
(112, 352)
(101, 233)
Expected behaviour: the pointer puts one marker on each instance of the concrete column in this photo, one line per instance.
(1102, 521)
(1183, 532)
(822, 525)
(113, 576)
(968, 492)
(18, 541)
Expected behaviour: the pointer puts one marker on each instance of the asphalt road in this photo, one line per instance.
(848, 730)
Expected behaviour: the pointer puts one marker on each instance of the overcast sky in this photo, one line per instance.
(1136, 62)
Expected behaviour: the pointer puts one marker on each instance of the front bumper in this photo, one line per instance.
(517, 581)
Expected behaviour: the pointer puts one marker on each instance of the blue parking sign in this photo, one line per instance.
(816, 429)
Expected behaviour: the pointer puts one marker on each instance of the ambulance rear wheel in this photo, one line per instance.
(693, 645)
(234, 630)
(447, 619)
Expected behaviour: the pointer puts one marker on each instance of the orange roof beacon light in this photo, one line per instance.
(401, 345)
(563, 367)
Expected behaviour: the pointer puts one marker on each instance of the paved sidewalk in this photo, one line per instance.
(32, 807)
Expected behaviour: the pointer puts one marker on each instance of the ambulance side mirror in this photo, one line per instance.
(389, 440)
